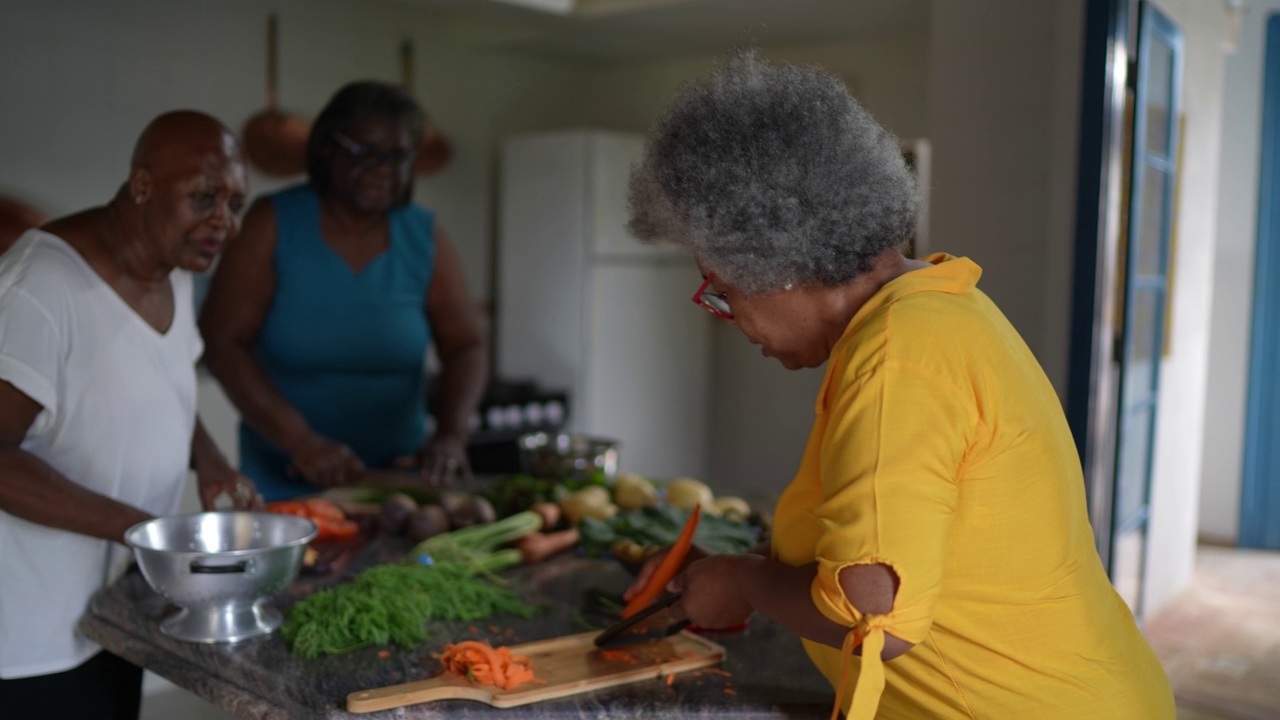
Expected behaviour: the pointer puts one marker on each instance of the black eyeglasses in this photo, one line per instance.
(364, 157)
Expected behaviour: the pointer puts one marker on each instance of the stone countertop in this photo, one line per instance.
(769, 675)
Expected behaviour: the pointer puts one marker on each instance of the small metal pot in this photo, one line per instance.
(219, 568)
(565, 455)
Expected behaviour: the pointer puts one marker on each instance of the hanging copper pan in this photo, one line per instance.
(434, 149)
(15, 219)
(275, 141)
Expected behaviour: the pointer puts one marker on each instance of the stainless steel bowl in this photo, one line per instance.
(566, 455)
(219, 568)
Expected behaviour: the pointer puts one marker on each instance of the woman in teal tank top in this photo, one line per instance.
(319, 316)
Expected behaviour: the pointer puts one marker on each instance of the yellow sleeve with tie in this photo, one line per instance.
(939, 450)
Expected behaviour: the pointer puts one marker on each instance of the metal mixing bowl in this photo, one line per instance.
(565, 455)
(219, 568)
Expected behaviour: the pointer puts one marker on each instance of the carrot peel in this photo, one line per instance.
(668, 568)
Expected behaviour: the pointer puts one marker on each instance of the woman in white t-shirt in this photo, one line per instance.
(98, 424)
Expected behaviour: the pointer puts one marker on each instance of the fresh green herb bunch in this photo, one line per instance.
(446, 577)
(392, 604)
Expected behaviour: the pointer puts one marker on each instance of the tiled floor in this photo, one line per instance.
(1219, 639)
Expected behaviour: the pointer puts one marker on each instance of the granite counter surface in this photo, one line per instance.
(769, 675)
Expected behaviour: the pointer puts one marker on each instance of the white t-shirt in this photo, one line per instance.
(119, 408)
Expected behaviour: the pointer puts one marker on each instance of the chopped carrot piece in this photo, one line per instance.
(671, 678)
(479, 662)
(618, 656)
(729, 691)
(384, 654)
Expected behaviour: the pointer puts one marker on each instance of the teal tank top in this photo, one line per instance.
(346, 349)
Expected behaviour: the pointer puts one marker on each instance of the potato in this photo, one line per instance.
(595, 494)
(632, 492)
(592, 502)
(600, 512)
(734, 508)
(684, 493)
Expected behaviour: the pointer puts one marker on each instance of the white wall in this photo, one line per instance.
(1232, 302)
(1003, 113)
(1184, 372)
(80, 78)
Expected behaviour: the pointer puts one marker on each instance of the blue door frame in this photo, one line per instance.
(1260, 486)
(1109, 38)
(1154, 157)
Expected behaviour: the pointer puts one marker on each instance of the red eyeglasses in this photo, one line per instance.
(712, 301)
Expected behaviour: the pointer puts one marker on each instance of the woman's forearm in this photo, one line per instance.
(782, 592)
(34, 491)
(463, 376)
(255, 395)
(204, 451)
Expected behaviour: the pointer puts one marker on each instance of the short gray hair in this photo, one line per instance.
(770, 175)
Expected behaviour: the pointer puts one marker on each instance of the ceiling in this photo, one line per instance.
(641, 29)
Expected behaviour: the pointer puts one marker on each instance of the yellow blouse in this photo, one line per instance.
(940, 449)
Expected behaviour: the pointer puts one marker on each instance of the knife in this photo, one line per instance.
(652, 623)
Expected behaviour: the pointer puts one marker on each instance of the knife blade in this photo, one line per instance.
(653, 623)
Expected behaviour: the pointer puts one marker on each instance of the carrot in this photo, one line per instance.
(549, 512)
(482, 663)
(621, 656)
(668, 568)
(538, 546)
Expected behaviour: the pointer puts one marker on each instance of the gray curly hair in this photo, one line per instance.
(771, 175)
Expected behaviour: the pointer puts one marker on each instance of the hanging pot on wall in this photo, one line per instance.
(15, 219)
(434, 149)
(275, 141)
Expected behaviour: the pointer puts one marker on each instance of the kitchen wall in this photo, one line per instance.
(1003, 118)
(1233, 262)
(1180, 425)
(80, 78)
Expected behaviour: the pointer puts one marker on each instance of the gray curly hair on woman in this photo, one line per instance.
(772, 175)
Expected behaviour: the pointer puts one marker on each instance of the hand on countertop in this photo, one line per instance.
(441, 460)
(325, 463)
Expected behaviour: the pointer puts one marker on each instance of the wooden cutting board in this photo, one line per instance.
(569, 665)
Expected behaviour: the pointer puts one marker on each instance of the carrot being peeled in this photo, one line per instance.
(668, 568)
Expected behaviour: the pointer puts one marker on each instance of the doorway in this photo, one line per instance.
(1130, 130)
(1260, 487)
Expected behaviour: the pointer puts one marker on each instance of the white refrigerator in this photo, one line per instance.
(583, 306)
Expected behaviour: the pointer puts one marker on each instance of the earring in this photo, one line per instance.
(137, 199)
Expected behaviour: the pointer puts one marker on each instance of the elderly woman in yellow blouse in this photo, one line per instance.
(937, 525)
